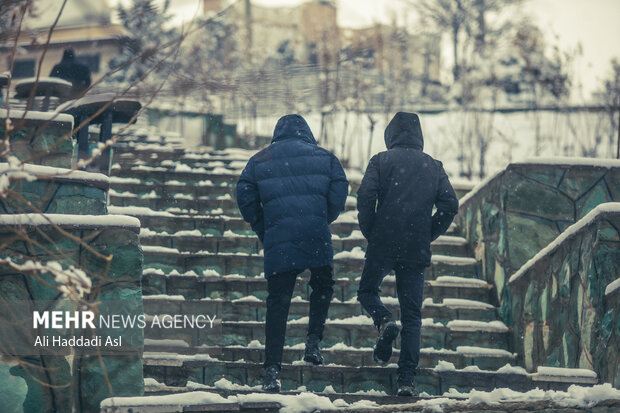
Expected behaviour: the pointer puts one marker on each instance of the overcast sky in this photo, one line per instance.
(591, 23)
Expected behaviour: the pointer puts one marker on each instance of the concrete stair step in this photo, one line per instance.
(346, 379)
(231, 243)
(252, 265)
(252, 308)
(486, 359)
(220, 204)
(196, 401)
(135, 187)
(380, 398)
(233, 287)
(161, 221)
(160, 174)
(355, 331)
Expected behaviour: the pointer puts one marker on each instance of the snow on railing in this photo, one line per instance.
(71, 281)
(568, 233)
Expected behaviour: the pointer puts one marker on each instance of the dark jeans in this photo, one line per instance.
(280, 288)
(410, 290)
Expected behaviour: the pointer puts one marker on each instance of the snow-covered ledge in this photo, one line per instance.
(71, 221)
(513, 215)
(43, 138)
(564, 302)
(38, 118)
(16, 171)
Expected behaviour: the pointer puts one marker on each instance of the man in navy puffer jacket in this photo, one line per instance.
(289, 193)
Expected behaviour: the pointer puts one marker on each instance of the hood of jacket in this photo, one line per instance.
(293, 127)
(68, 55)
(404, 130)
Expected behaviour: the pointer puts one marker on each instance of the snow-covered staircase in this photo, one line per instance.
(200, 257)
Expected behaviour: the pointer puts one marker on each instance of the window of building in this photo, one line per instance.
(23, 68)
(91, 60)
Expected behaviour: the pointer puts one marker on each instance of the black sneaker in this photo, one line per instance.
(388, 331)
(312, 353)
(271, 384)
(406, 388)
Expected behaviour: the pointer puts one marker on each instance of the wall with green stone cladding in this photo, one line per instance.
(41, 142)
(518, 212)
(53, 195)
(561, 316)
(41, 382)
(85, 382)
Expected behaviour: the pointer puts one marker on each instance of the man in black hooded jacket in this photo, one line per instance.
(395, 203)
(71, 70)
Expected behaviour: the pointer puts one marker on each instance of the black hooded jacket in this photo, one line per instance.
(397, 195)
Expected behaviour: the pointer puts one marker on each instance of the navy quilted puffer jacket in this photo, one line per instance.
(289, 193)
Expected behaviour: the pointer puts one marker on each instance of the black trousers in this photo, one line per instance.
(410, 290)
(280, 287)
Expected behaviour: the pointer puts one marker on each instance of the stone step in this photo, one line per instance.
(227, 389)
(197, 401)
(129, 150)
(178, 370)
(232, 287)
(191, 176)
(168, 190)
(162, 221)
(161, 175)
(231, 243)
(169, 259)
(251, 308)
(484, 358)
(355, 331)
(218, 204)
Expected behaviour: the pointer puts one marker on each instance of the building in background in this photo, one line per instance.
(85, 26)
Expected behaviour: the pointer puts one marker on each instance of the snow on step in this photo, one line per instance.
(458, 281)
(483, 351)
(458, 303)
(348, 217)
(140, 211)
(451, 240)
(163, 297)
(553, 373)
(449, 259)
(359, 253)
(175, 401)
(159, 250)
(355, 235)
(470, 325)
(121, 180)
(165, 342)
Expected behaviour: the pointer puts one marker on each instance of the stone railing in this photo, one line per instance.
(512, 216)
(56, 240)
(563, 303)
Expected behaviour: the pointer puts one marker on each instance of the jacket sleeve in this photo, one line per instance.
(338, 190)
(447, 205)
(248, 200)
(367, 197)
